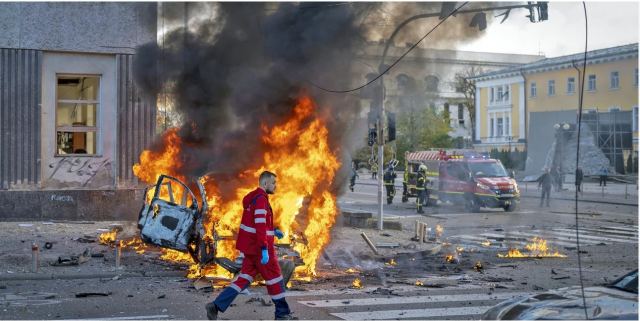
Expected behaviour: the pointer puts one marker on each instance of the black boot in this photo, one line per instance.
(212, 311)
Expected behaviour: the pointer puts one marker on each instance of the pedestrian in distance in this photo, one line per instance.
(354, 175)
(579, 177)
(604, 172)
(555, 178)
(389, 181)
(374, 171)
(545, 182)
(255, 241)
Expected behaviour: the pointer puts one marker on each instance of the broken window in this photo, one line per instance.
(571, 85)
(614, 80)
(551, 91)
(591, 85)
(77, 104)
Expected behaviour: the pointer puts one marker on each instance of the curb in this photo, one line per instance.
(108, 275)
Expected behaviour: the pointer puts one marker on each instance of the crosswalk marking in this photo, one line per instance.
(557, 236)
(412, 299)
(617, 233)
(140, 317)
(395, 289)
(632, 229)
(414, 313)
(572, 233)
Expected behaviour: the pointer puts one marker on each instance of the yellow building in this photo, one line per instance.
(521, 108)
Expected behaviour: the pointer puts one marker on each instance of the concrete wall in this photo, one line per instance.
(20, 76)
(101, 27)
(91, 171)
(122, 204)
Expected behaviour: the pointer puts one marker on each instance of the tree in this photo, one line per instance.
(468, 88)
(421, 129)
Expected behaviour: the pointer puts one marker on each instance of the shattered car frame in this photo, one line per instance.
(180, 226)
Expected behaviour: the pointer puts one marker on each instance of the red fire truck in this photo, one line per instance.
(461, 177)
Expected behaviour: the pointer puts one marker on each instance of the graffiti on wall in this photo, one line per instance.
(79, 169)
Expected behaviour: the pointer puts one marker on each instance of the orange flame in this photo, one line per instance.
(536, 248)
(356, 284)
(392, 262)
(108, 238)
(298, 152)
(419, 283)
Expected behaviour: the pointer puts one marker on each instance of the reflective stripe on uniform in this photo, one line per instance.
(247, 229)
(252, 230)
(235, 287)
(279, 296)
(260, 211)
(274, 281)
(261, 220)
(246, 277)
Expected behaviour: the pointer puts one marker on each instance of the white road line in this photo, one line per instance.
(395, 289)
(406, 314)
(612, 233)
(572, 233)
(633, 229)
(411, 299)
(139, 317)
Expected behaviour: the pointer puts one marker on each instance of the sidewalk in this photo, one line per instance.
(616, 193)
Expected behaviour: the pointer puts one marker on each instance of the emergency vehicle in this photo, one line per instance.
(461, 177)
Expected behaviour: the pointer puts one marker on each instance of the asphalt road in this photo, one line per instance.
(609, 247)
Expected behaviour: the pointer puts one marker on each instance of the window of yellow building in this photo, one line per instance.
(551, 90)
(534, 90)
(614, 80)
(571, 85)
(591, 85)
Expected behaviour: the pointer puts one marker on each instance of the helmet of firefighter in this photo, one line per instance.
(422, 168)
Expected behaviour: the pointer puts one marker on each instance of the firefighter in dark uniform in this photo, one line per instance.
(405, 191)
(389, 179)
(421, 187)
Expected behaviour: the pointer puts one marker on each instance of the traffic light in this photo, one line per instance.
(532, 14)
(543, 11)
(391, 125)
(373, 135)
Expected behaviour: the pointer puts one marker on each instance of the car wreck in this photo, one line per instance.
(173, 218)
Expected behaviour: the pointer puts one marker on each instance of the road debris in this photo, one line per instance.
(371, 245)
(73, 259)
(90, 294)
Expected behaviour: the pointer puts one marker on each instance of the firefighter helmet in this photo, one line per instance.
(422, 168)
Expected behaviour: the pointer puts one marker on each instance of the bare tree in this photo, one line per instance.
(468, 88)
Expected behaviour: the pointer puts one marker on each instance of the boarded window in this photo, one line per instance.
(77, 109)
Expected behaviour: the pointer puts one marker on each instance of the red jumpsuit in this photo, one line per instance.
(256, 232)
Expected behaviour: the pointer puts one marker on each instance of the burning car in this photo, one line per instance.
(172, 217)
(617, 301)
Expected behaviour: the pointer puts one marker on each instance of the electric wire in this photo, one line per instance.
(395, 62)
(580, 101)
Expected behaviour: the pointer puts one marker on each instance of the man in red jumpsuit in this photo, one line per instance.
(255, 240)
